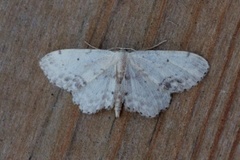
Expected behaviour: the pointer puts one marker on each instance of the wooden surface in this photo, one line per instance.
(39, 120)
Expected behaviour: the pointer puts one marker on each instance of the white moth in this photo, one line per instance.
(141, 81)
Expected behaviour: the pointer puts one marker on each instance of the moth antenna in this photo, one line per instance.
(156, 45)
(90, 45)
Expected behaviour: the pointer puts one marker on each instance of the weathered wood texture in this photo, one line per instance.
(39, 120)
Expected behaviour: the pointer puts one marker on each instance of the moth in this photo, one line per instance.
(139, 81)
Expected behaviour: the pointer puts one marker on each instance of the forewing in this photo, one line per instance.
(71, 69)
(173, 71)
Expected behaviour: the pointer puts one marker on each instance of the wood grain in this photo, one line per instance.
(39, 120)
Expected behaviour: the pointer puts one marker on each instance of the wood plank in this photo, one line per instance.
(39, 120)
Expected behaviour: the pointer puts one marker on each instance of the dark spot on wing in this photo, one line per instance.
(173, 84)
(178, 80)
(167, 86)
(127, 77)
(66, 79)
(167, 60)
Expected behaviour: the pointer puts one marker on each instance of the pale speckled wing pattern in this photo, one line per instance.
(174, 71)
(98, 94)
(151, 77)
(87, 74)
(71, 69)
(141, 94)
